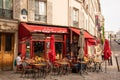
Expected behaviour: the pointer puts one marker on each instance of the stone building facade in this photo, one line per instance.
(66, 14)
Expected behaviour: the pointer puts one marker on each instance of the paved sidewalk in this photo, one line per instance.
(111, 74)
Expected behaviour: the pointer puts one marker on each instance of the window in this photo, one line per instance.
(6, 8)
(27, 49)
(38, 48)
(1, 3)
(40, 10)
(0, 41)
(8, 42)
(75, 17)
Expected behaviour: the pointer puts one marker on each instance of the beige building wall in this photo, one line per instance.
(91, 17)
(76, 4)
(60, 12)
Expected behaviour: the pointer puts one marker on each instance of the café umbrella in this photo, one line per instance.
(81, 49)
(81, 44)
(107, 50)
(52, 47)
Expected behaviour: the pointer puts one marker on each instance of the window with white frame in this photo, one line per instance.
(6, 8)
(40, 10)
(75, 17)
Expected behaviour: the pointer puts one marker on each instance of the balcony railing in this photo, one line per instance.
(75, 23)
(42, 18)
(5, 13)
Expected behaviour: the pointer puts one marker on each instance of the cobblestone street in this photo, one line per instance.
(110, 74)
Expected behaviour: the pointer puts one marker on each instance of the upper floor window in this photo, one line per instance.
(6, 7)
(75, 17)
(40, 10)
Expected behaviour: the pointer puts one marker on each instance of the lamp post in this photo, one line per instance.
(116, 55)
(110, 47)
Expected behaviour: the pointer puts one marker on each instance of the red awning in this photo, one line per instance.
(92, 40)
(77, 31)
(44, 29)
(87, 35)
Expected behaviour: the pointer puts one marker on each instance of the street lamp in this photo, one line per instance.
(116, 55)
(110, 46)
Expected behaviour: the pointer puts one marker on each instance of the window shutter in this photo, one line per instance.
(31, 10)
(16, 9)
(49, 12)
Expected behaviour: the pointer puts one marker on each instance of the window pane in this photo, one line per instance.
(42, 8)
(36, 7)
(75, 15)
(0, 3)
(27, 49)
(8, 42)
(0, 41)
(8, 4)
(38, 48)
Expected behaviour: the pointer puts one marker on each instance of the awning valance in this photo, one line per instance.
(86, 34)
(44, 29)
(92, 41)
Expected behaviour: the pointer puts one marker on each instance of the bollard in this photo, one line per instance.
(117, 62)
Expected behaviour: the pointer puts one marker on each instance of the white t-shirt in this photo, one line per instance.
(18, 60)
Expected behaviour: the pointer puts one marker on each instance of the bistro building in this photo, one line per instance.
(34, 39)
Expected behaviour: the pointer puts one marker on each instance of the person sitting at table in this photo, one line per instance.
(68, 56)
(74, 64)
(19, 60)
(82, 64)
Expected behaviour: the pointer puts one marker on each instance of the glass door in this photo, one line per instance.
(59, 49)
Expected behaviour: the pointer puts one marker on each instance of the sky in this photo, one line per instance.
(111, 11)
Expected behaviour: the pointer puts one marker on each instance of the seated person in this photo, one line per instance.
(68, 56)
(74, 64)
(82, 64)
(19, 61)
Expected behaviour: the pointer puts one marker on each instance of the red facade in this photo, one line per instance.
(32, 37)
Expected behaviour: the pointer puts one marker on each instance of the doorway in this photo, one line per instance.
(6, 51)
(59, 49)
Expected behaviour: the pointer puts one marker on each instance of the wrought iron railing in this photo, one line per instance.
(5, 13)
(40, 17)
(75, 23)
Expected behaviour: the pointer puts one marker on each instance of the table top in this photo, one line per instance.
(62, 62)
(39, 64)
